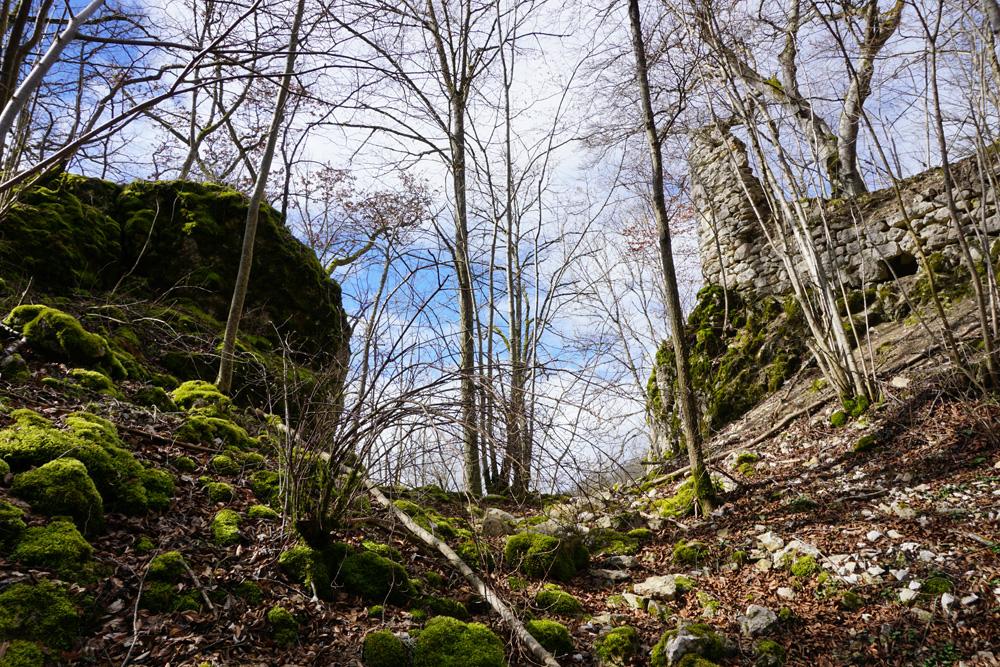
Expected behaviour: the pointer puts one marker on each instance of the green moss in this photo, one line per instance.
(476, 555)
(219, 492)
(552, 635)
(771, 648)
(61, 337)
(62, 487)
(538, 556)
(93, 380)
(851, 601)
(433, 522)
(265, 485)
(747, 470)
(935, 587)
(557, 601)
(15, 370)
(167, 567)
(11, 524)
(262, 512)
(714, 647)
(225, 465)
(445, 607)
(746, 457)
(434, 579)
(607, 542)
(40, 612)
(155, 397)
(617, 647)
(198, 393)
(250, 593)
(183, 463)
(418, 615)
(804, 567)
(376, 611)
(203, 425)
(838, 419)
(226, 528)
(145, 544)
(690, 553)
(305, 566)
(641, 534)
(447, 642)
(284, 627)
(383, 649)
(739, 558)
(383, 550)
(58, 546)
(23, 654)
(865, 444)
(375, 578)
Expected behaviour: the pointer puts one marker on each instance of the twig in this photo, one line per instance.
(135, 614)
(974, 538)
(491, 597)
(878, 493)
(167, 440)
(194, 578)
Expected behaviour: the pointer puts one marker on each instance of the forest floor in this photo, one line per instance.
(910, 527)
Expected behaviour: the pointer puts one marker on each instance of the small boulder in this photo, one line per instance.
(497, 523)
(665, 588)
(757, 621)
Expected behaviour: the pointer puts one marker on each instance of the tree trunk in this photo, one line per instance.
(225, 378)
(702, 483)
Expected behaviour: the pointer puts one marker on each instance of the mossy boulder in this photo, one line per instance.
(63, 488)
(554, 600)
(23, 654)
(161, 597)
(224, 465)
(61, 337)
(617, 647)
(93, 380)
(383, 649)
(40, 612)
(447, 642)
(445, 607)
(265, 485)
(167, 567)
(58, 546)
(226, 528)
(607, 542)
(552, 635)
(250, 593)
(768, 647)
(539, 556)
(262, 512)
(707, 645)
(838, 419)
(305, 565)
(219, 492)
(14, 369)
(12, 525)
(284, 627)
(198, 393)
(865, 443)
(804, 567)
(433, 522)
(383, 550)
(152, 396)
(206, 425)
(690, 553)
(376, 579)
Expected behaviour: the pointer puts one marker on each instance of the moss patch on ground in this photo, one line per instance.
(446, 642)
(539, 556)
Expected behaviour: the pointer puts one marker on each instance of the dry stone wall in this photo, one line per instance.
(866, 242)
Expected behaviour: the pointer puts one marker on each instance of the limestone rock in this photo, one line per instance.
(660, 588)
(497, 523)
(757, 621)
(771, 542)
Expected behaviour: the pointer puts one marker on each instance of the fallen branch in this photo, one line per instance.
(197, 584)
(492, 598)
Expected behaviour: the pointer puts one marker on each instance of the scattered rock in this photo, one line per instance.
(771, 542)
(922, 615)
(611, 575)
(660, 588)
(497, 523)
(758, 621)
(622, 562)
(907, 595)
(786, 593)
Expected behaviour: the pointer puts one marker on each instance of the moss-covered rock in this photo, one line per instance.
(804, 567)
(539, 556)
(161, 597)
(768, 647)
(640, 534)
(206, 425)
(433, 522)
(61, 337)
(851, 601)
(219, 492)
(476, 555)
(304, 565)
(167, 567)
(617, 647)
(284, 627)
(23, 654)
(838, 419)
(226, 528)
(225, 465)
(152, 396)
(198, 393)
(376, 579)
(383, 649)
(63, 488)
(183, 463)
(262, 512)
(552, 635)
(445, 607)
(711, 646)
(607, 542)
(12, 525)
(250, 593)
(742, 347)
(265, 485)
(865, 443)
(58, 546)
(690, 553)
(93, 380)
(447, 642)
(14, 369)
(41, 612)
(554, 600)
(383, 550)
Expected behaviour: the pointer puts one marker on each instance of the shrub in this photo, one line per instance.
(446, 642)
(553, 636)
(383, 649)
